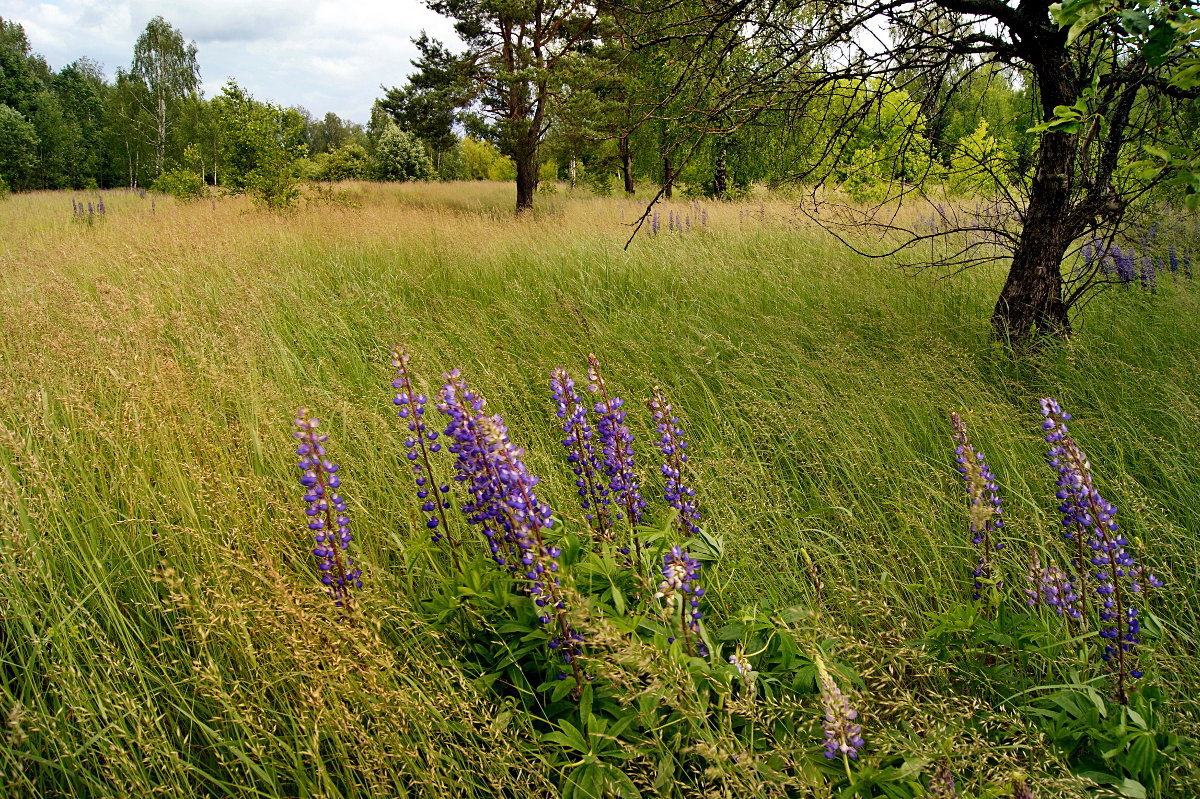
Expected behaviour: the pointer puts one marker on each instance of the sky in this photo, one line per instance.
(323, 55)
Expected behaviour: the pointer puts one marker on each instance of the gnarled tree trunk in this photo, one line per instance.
(1031, 304)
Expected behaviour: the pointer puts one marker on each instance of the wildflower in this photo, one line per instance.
(1090, 521)
(482, 508)
(654, 222)
(581, 449)
(410, 406)
(1050, 586)
(984, 496)
(842, 735)
(616, 447)
(674, 450)
(679, 588)
(941, 783)
(503, 503)
(326, 512)
(1021, 790)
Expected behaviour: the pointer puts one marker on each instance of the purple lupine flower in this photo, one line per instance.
(100, 204)
(525, 516)
(1147, 275)
(481, 508)
(327, 513)
(740, 662)
(682, 593)
(581, 454)
(421, 441)
(654, 222)
(984, 497)
(1050, 586)
(615, 447)
(704, 217)
(674, 449)
(1090, 520)
(843, 736)
(503, 502)
(1021, 790)
(91, 209)
(941, 783)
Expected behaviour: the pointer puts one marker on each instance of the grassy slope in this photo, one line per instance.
(159, 620)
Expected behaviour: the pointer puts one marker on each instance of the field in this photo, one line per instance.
(162, 630)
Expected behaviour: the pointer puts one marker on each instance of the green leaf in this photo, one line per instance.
(568, 736)
(1131, 788)
(585, 704)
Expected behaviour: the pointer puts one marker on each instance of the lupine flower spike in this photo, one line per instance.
(984, 496)
(504, 505)
(941, 783)
(674, 450)
(1049, 586)
(581, 454)
(421, 441)
(616, 449)
(843, 735)
(681, 592)
(326, 511)
(1090, 519)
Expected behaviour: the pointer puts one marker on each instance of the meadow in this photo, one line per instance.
(162, 628)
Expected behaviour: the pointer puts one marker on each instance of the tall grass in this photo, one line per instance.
(161, 628)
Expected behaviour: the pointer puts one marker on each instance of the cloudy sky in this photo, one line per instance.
(324, 55)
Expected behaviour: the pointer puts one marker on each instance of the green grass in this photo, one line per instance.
(161, 629)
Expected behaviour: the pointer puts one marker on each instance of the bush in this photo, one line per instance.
(401, 156)
(274, 183)
(350, 162)
(182, 184)
(3, 187)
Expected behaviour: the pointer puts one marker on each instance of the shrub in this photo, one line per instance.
(182, 184)
(400, 156)
(274, 184)
(350, 162)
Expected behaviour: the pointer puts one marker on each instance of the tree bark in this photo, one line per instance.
(668, 177)
(1031, 305)
(721, 175)
(527, 180)
(626, 165)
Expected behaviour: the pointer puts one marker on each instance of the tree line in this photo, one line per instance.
(1060, 121)
(151, 126)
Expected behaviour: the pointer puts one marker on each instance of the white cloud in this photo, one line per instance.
(321, 54)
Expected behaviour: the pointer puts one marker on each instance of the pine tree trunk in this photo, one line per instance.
(668, 177)
(526, 181)
(572, 171)
(626, 165)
